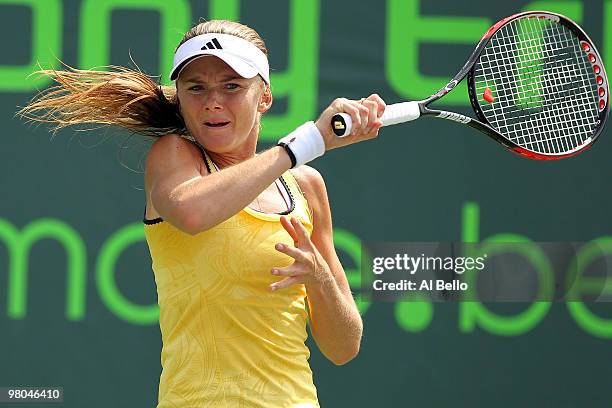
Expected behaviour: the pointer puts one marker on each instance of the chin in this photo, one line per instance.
(218, 142)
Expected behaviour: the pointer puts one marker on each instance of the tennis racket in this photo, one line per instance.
(536, 83)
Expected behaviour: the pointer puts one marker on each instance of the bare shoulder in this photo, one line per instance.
(171, 150)
(309, 179)
(313, 186)
(172, 144)
(171, 160)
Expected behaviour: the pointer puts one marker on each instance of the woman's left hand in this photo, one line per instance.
(309, 267)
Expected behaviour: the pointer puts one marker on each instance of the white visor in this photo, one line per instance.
(241, 55)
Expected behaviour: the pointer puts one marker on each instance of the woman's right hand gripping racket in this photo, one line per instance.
(537, 85)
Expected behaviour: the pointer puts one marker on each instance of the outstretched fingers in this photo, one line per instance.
(293, 252)
(301, 253)
(301, 232)
(289, 228)
(282, 284)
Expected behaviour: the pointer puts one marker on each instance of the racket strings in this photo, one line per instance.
(562, 71)
(544, 88)
(532, 97)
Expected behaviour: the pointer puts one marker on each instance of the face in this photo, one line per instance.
(220, 108)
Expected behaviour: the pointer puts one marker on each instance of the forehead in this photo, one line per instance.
(207, 67)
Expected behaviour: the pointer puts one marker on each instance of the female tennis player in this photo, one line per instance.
(241, 243)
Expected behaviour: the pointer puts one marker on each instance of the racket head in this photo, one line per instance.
(540, 84)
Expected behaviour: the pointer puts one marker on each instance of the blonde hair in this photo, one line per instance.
(121, 96)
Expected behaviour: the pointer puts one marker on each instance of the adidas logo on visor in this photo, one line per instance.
(243, 56)
(212, 45)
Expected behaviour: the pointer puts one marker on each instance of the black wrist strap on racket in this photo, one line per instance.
(304, 144)
(289, 152)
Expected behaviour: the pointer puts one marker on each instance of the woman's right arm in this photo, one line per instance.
(194, 203)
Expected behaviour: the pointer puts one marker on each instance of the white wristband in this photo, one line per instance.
(305, 143)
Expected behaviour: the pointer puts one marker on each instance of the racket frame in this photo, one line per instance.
(481, 123)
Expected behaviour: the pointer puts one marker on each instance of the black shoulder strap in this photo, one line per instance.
(203, 154)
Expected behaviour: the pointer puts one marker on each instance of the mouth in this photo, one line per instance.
(216, 124)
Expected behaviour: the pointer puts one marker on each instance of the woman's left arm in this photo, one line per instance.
(334, 319)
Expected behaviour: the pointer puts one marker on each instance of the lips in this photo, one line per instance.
(216, 123)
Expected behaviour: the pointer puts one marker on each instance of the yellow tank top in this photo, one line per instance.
(228, 341)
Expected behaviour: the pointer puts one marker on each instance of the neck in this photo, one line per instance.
(241, 153)
(223, 160)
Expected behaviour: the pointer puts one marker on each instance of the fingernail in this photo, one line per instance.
(280, 246)
(274, 271)
(273, 288)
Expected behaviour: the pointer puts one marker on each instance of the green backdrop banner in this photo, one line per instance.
(77, 295)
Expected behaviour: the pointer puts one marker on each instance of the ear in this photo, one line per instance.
(265, 100)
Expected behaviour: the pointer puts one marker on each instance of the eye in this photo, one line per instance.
(232, 85)
(196, 88)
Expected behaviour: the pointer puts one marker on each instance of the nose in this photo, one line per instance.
(213, 100)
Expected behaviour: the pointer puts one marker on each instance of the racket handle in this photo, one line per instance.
(342, 124)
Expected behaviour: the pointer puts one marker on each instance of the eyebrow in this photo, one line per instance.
(230, 77)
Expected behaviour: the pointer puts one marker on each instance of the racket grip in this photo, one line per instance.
(342, 124)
